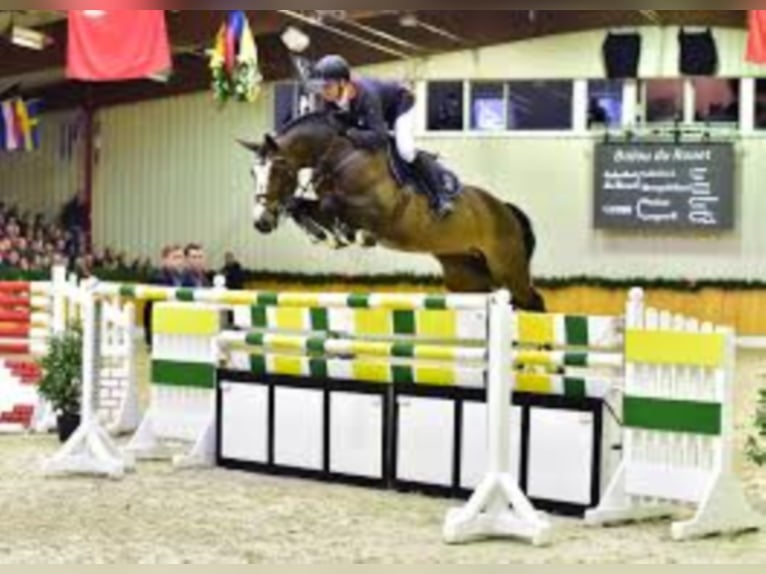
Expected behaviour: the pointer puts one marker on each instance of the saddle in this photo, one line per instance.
(406, 174)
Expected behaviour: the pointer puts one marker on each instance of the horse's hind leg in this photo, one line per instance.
(537, 304)
(511, 271)
(464, 274)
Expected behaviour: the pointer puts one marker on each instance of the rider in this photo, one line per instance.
(376, 108)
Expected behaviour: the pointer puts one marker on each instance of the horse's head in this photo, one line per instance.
(303, 143)
(276, 178)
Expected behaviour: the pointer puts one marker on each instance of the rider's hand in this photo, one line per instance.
(359, 138)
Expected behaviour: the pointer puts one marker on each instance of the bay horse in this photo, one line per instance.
(483, 246)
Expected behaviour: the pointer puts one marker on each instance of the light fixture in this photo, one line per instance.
(409, 20)
(295, 40)
(160, 77)
(29, 38)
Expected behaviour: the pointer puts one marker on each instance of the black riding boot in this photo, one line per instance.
(427, 172)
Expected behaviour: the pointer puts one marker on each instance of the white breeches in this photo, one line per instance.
(405, 136)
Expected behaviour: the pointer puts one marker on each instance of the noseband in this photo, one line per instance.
(324, 173)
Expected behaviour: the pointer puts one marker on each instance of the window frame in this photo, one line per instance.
(424, 133)
(633, 111)
(503, 98)
(425, 103)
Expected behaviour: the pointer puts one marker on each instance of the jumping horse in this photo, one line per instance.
(484, 245)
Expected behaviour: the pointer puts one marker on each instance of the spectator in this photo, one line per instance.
(232, 270)
(40, 242)
(14, 259)
(196, 275)
(75, 213)
(171, 274)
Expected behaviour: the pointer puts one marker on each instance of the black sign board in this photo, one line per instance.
(665, 186)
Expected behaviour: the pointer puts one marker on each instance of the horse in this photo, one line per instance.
(484, 245)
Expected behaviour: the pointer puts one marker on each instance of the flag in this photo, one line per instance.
(9, 121)
(20, 125)
(234, 60)
(109, 45)
(23, 128)
(250, 78)
(33, 114)
(756, 39)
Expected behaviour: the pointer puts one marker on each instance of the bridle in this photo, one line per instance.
(324, 173)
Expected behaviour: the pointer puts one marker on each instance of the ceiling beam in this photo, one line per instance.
(321, 24)
(652, 16)
(194, 30)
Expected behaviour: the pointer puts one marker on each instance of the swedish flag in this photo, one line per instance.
(32, 138)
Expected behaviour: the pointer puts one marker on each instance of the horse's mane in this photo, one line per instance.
(327, 117)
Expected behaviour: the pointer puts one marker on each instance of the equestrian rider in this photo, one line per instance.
(376, 108)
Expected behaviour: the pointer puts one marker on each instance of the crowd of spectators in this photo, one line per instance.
(31, 242)
(186, 267)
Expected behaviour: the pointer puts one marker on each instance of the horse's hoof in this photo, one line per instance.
(365, 240)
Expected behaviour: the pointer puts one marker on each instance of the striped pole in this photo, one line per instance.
(391, 301)
(349, 347)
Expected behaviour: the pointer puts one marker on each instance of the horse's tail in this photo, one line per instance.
(528, 232)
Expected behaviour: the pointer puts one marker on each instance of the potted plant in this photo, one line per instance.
(61, 380)
(756, 445)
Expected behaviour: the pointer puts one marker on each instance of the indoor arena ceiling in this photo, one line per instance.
(365, 36)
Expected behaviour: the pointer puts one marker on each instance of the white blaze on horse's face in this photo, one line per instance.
(262, 176)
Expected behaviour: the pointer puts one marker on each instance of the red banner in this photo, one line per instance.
(109, 45)
(756, 40)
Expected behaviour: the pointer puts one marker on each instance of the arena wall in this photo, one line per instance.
(170, 171)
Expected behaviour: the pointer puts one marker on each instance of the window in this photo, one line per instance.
(540, 105)
(605, 103)
(664, 100)
(286, 103)
(716, 100)
(760, 104)
(488, 107)
(445, 106)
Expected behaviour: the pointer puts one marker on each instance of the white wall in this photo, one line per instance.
(170, 171)
(45, 179)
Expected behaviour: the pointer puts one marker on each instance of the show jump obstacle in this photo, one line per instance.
(677, 378)
(30, 314)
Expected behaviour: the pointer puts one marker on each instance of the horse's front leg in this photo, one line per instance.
(343, 229)
(306, 214)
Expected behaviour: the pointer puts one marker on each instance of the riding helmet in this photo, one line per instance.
(332, 68)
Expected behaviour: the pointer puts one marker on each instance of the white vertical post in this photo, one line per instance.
(499, 371)
(630, 109)
(690, 102)
(91, 339)
(580, 106)
(467, 105)
(498, 508)
(129, 415)
(726, 382)
(747, 103)
(634, 312)
(59, 294)
(421, 91)
(44, 419)
(90, 451)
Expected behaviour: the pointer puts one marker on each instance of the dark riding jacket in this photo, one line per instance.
(375, 109)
